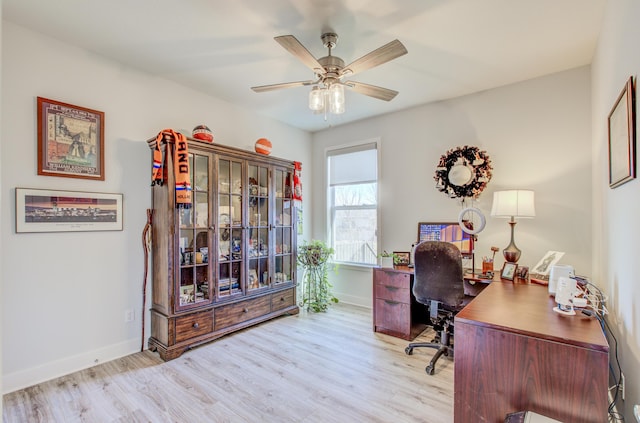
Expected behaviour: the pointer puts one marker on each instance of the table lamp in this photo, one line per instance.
(511, 204)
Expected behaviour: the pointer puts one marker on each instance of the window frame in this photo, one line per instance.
(329, 200)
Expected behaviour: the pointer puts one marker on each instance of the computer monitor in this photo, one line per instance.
(449, 232)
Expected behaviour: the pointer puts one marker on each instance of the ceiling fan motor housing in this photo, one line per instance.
(329, 39)
(332, 66)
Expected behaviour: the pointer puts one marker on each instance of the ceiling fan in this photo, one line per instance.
(330, 70)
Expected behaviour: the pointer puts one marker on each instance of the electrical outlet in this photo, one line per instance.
(622, 385)
(129, 316)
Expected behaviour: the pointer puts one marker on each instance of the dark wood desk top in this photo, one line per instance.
(527, 309)
(473, 283)
(468, 275)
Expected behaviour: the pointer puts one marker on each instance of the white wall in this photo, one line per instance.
(616, 227)
(2, 213)
(537, 134)
(65, 294)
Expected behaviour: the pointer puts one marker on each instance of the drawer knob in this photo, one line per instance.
(196, 325)
(282, 299)
(245, 310)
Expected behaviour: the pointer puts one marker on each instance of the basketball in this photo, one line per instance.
(202, 133)
(263, 146)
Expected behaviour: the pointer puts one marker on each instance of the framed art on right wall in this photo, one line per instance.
(622, 143)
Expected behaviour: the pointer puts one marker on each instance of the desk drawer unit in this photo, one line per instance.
(395, 311)
(392, 318)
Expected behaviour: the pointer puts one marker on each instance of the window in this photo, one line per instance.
(353, 203)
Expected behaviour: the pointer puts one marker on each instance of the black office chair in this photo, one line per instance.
(438, 283)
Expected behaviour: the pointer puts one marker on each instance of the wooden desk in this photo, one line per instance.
(513, 353)
(395, 310)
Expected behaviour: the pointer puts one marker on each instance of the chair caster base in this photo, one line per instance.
(429, 369)
(408, 351)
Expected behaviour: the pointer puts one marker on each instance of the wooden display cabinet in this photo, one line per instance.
(228, 262)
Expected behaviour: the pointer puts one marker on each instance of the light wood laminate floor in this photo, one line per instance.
(325, 367)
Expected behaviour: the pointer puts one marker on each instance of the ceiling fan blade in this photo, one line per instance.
(381, 55)
(371, 90)
(295, 47)
(263, 88)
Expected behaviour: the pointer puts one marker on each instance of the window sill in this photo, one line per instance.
(354, 266)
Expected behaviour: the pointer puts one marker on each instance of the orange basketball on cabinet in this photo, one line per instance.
(263, 146)
(203, 133)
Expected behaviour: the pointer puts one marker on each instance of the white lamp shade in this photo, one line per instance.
(513, 203)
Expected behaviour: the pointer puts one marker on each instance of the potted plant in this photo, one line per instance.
(388, 259)
(316, 289)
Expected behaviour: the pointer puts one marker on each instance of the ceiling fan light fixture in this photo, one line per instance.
(336, 93)
(316, 99)
(336, 99)
(337, 109)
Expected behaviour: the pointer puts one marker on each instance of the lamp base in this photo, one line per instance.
(512, 253)
(511, 256)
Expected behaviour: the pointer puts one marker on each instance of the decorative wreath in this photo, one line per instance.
(476, 163)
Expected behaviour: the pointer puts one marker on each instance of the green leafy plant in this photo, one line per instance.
(393, 256)
(316, 289)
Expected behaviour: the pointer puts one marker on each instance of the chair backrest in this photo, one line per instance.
(438, 273)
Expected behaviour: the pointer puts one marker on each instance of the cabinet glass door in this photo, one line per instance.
(194, 242)
(229, 227)
(258, 236)
(284, 227)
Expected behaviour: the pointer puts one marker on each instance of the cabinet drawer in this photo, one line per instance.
(393, 316)
(242, 311)
(282, 299)
(393, 293)
(395, 279)
(193, 325)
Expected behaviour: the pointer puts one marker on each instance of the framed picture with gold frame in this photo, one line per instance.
(70, 140)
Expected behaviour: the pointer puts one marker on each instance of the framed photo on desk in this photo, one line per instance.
(509, 271)
(401, 258)
(522, 272)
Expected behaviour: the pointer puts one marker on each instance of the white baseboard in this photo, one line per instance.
(42, 373)
(353, 300)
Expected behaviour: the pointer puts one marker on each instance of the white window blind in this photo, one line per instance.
(353, 165)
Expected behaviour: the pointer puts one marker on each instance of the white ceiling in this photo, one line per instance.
(224, 47)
